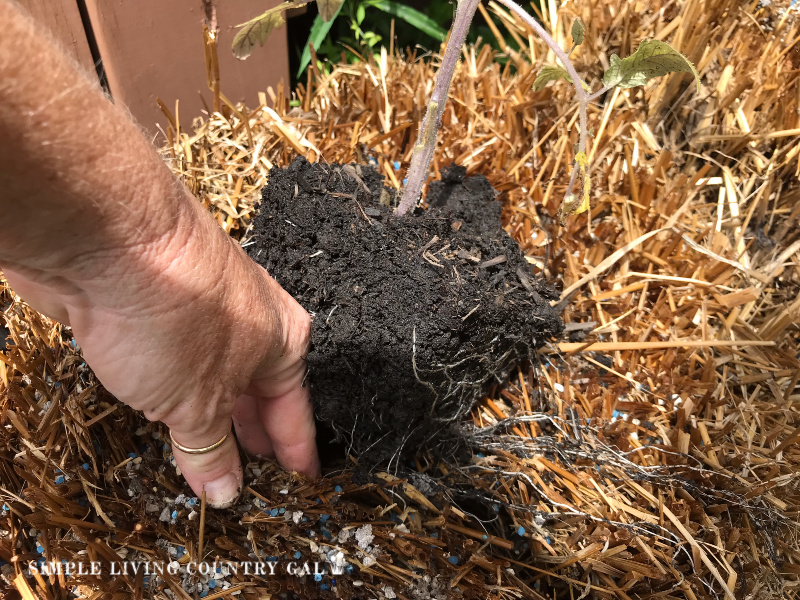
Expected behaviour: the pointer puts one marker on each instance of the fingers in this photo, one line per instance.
(288, 420)
(282, 402)
(274, 417)
(279, 426)
(249, 429)
(218, 472)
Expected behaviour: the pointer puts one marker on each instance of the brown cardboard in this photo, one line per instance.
(154, 49)
(63, 19)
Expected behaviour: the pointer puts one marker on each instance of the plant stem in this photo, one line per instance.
(583, 100)
(426, 139)
(599, 93)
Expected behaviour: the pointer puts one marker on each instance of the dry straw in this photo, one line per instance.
(653, 455)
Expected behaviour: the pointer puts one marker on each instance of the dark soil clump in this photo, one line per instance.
(414, 318)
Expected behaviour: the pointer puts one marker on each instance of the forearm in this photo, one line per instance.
(77, 179)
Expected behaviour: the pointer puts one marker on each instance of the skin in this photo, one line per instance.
(173, 317)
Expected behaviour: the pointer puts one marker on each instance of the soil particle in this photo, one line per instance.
(414, 317)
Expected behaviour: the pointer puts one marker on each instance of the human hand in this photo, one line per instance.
(172, 316)
(193, 333)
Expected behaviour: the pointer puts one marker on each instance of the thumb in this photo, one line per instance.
(218, 472)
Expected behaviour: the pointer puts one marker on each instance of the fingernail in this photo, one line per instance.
(223, 492)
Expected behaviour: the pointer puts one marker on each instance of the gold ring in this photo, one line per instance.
(205, 450)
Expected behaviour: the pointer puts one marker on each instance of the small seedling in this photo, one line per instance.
(652, 58)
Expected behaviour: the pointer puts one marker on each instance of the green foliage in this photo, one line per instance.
(411, 16)
(256, 31)
(356, 13)
(651, 59)
(552, 73)
(441, 11)
(328, 9)
(577, 32)
(369, 39)
(319, 31)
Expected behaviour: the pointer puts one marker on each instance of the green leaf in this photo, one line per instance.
(319, 31)
(651, 59)
(328, 9)
(256, 31)
(547, 74)
(413, 17)
(552, 73)
(577, 32)
(361, 12)
(371, 38)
